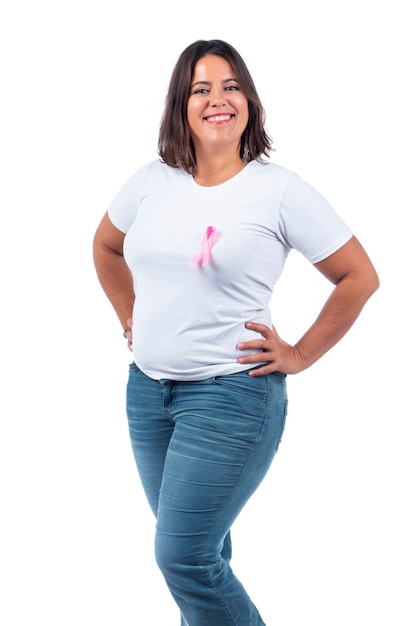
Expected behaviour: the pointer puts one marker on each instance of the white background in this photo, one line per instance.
(329, 538)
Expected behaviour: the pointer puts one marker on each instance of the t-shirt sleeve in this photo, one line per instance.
(123, 209)
(308, 223)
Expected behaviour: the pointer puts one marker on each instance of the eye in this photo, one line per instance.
(232, 88)
(200, 90)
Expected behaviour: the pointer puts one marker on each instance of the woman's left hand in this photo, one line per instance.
(354, 279)
(279, 355)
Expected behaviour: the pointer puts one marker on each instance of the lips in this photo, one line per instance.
(215, 119)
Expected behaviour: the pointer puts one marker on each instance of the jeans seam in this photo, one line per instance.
(250, 452)
(206, 567)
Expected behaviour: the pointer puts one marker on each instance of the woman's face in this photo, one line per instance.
(217, 110)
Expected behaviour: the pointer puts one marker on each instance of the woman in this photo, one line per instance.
(188, 254)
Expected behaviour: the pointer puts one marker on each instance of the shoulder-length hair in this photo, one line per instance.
(175, 145)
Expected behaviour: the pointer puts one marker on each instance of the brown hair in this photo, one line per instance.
(175, 144)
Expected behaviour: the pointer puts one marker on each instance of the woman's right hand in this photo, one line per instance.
(128, 332)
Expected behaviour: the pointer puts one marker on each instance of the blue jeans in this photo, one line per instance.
(201, 449)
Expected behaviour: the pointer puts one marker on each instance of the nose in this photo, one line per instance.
(217, 97)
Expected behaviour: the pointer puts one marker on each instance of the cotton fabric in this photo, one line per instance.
(187, 320)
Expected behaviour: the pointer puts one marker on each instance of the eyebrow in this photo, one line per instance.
(206, 82)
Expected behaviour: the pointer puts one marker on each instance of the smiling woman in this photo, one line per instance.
(189, 253)
(207, 62)
(218, 114)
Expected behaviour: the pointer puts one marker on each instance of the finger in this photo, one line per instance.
(259, 357)
(263, 329)
(262, 371)
(253, 344)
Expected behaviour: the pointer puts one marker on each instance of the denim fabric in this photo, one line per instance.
(201, 449)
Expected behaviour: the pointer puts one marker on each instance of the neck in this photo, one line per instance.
(217, 169)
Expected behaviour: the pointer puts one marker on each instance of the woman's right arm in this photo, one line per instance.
(112, 271)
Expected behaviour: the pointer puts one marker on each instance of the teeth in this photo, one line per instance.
(219, 118)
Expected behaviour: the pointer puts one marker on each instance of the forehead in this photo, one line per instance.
(213, 65)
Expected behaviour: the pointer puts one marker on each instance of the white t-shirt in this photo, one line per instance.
(187, 319)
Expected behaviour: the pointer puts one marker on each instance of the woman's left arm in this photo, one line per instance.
(355, 280)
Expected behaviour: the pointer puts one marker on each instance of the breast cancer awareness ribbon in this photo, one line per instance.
(203, 257)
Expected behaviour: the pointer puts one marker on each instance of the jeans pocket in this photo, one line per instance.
(242, 383)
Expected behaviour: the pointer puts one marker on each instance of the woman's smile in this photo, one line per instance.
(218, 119)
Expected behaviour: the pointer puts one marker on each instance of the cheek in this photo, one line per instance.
(191, 113)
(245, 115)
(242, 105)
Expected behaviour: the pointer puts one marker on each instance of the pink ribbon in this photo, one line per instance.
(203, 257)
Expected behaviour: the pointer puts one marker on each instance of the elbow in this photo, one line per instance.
(374, 282)
(371, 284)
